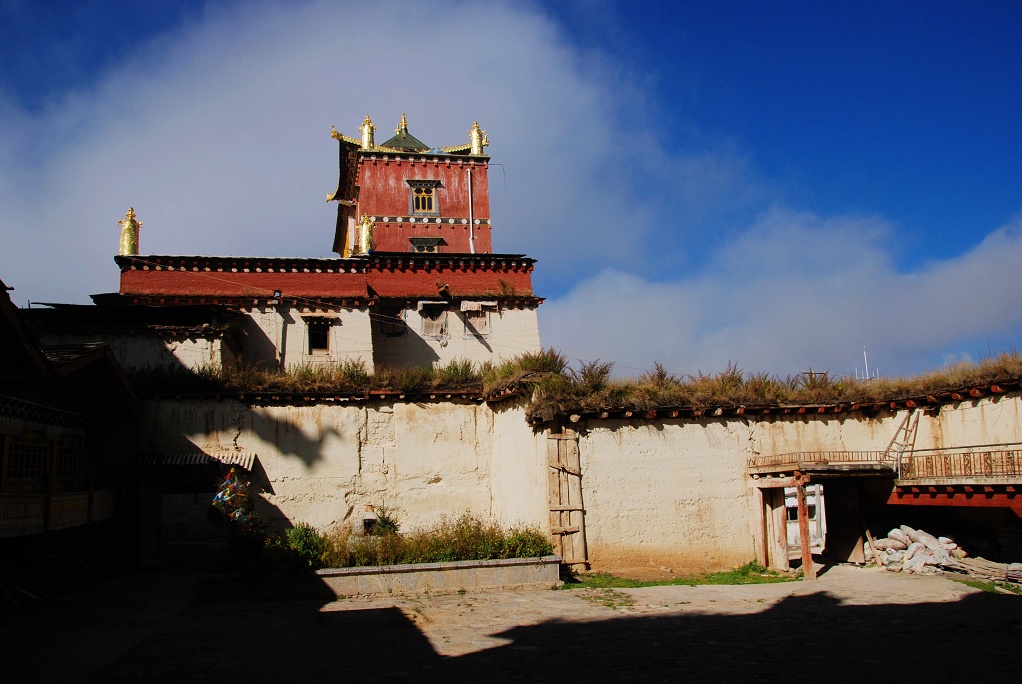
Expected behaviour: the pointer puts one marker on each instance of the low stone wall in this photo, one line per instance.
(443, 578)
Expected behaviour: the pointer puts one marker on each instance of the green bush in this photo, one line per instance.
(308, 543)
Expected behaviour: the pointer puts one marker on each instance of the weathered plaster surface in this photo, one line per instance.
(664, 494)
(135, 352)
(278, 337)
(324, 463)
(672, 494)
(667, 495)
(512, 332)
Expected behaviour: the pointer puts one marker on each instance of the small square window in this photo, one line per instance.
(477, 322)
(434, 320)
(476, 315)
(425, 245)
(423, 198)
(319, 335)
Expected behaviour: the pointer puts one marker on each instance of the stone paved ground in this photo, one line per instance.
(852, 624)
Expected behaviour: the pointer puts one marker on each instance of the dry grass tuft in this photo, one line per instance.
(556, 389)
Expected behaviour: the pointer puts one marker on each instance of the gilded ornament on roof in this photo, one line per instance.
(129, 233)
(367, 134)
(477, 139)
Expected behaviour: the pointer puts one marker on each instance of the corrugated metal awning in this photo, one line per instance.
(185, 458)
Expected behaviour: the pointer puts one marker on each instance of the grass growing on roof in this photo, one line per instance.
(556, 388)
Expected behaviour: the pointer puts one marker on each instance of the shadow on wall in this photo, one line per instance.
(229, 417)
(406, 350)
(257, 348)
(802, 638)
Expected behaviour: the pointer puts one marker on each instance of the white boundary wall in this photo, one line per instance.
(324, 463)
(674, 494)
(666, 493)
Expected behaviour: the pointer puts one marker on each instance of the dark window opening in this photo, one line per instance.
(392, 321)
(319, 336)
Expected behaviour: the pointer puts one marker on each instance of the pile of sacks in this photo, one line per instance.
(914, 551)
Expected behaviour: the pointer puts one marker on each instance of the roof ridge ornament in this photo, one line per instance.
(403, 126)
(367, 129)
(129, 233)
(478, 139)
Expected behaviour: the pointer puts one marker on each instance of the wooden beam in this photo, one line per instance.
(774, 482)
(808, 571)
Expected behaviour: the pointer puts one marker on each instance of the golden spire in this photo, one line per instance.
(403, 126)
(129, 233)
(367, 134)
(478, 139)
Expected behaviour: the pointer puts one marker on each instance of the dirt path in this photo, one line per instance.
(852, 623)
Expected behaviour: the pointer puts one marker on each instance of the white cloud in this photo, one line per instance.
(797, 291)
(218, 135)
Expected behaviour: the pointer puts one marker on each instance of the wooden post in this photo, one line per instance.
(762, 529)
(808, 571)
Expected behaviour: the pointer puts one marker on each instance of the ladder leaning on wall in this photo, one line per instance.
(904, 440)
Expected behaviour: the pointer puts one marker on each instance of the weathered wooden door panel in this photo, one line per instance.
(567, 513)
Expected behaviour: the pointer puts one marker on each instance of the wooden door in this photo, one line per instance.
(567, 513)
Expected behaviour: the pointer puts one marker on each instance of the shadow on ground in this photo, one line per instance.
(239, 638)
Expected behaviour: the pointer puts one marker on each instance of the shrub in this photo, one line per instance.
(465, 537)
(308, 543)
(386, 522)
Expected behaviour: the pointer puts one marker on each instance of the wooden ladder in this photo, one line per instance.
(904, 439)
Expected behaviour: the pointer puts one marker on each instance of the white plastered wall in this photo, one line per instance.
(278, 336)
(137, 351)
(673, 494)
(664, 493)
(512, 332)
(324, 463)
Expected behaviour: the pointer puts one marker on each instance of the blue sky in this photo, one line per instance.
(776, 184)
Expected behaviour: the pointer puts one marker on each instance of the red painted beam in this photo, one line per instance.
(957, 498)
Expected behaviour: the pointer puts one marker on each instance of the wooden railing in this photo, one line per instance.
(984, 461)
(801, 460)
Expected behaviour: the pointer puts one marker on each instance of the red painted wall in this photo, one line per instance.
(422, 281)
(383, 192)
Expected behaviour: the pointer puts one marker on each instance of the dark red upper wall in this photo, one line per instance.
(385, 194)
(411, 276)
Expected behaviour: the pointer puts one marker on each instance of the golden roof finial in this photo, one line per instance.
(403, 126)
(334, 134)
(129, 233)
(478, 139)
(367, 134)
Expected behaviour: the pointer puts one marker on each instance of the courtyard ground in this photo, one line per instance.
(852, 624)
